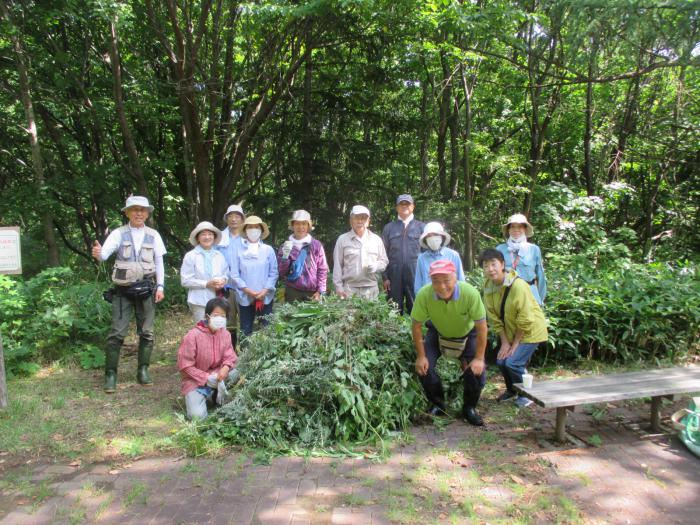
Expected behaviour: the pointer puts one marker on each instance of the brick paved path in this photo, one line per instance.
(629, 478)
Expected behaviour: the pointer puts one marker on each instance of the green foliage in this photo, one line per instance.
(51, 316)
(323, 374)
(624, 312)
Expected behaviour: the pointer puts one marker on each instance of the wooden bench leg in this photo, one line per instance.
(656, 413)
(561, 425)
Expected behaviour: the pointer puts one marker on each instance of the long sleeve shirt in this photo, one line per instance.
(351, 257)
(315, 273)
(255, 270)
(427, 258)
(194, 277)
(521, 310)
(203, 353)
(528, 264)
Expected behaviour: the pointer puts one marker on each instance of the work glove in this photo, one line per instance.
(372, 267)
(286, 249)
(213, 380)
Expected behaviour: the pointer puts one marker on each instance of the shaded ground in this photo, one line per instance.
(70, 454)
(454, 474)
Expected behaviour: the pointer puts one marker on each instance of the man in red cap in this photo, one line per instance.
(455, 317)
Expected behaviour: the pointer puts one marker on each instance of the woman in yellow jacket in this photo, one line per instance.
(513, 313)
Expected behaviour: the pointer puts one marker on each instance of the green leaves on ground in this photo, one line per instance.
(323, 374)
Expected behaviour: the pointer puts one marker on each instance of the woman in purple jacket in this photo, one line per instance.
(302, 261)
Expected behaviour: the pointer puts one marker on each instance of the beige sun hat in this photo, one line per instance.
(257, 221)
(204, 226)
(434, 227)
(518, 218)
(137, 200)
(301, 216)
(234, 208)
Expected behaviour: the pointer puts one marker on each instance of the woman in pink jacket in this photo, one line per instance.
(205, 357)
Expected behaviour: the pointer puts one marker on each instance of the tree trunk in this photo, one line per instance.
(37, 160)
(129, 144)
(588, 176)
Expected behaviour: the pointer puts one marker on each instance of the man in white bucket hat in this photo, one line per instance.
(359, 258)
(139, 278)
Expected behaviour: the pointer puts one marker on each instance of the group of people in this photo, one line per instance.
(231, 276)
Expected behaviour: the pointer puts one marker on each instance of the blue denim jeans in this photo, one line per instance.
(513, 366)
(248, 315)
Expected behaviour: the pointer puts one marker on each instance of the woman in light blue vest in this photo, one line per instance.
(522, 256)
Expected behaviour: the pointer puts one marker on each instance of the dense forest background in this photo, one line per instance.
(584, 114)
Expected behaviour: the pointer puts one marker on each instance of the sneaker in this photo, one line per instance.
(523, 402)
(505, 396)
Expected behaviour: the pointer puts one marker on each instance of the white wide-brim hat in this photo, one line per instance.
(301, 216)
(204, 226)
(254, 220)
(518, 218)
(137, 200)
(434, 227)
(234, 208)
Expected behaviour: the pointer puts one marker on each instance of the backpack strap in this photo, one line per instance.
(503, 301)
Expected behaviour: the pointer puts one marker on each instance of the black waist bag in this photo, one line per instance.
(139, 290)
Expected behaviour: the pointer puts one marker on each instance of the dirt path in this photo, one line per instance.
(452, 475)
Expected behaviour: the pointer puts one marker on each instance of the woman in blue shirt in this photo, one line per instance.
(254, 273)
(522, 256)
(434, 241)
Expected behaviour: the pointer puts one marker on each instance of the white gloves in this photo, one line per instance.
(286, 249)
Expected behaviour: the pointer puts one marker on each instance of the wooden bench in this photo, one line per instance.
(568, 393)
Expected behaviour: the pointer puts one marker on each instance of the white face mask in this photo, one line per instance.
(253, 234)
(217, 322)
(434, 242)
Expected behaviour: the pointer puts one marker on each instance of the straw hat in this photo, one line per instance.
(301, 216)
(518, 218)
(434, 227)
(137, 200)
(254, 220)
(205, 226)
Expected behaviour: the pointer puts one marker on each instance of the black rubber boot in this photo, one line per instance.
(142, 375)
(111, 365)
(436, 396)
(472, 393)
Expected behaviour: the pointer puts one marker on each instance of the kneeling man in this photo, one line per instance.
(456, 320)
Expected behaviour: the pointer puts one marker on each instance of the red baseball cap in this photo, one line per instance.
(442, 267)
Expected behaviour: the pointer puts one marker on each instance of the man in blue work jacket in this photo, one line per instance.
(401, 240)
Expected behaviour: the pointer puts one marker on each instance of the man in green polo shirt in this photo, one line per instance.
(456, 321)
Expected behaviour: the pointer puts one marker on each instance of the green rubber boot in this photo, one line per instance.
(111, 364)
(142, 375)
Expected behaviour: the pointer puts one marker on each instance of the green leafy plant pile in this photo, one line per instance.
(323, 374)
(51, 316)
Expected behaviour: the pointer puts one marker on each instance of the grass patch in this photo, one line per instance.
(138, 494)
(61, 412)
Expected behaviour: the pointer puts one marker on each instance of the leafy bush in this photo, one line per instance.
(323, 374)
(51, 316)
(624, 312)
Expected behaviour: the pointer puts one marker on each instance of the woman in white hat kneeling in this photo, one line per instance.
(254, 273)
(522, 256)
(204, 270)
